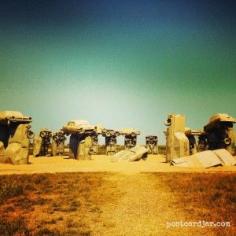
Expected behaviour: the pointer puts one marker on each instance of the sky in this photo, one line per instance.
(118, 63)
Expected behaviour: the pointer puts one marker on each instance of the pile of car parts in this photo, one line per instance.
(15, 135)
(206, 159)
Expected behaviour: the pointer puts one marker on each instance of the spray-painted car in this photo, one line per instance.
(152, 144)
(58, 143)
(219, 133)
(43, 143)
(83, 136)
(130, 135)
(15, 136)
(110, 140)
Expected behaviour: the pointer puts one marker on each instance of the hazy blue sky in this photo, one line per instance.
(119, 63)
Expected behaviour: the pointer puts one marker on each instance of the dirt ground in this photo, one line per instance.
(149, 206)
(120, 198)
(99, 163)
(144, 209)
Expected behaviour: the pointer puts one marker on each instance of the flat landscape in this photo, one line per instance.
(114, 198)
(101, 163)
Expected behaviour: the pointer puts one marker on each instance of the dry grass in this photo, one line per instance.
(204, 196)
(52, 204)
(84, 203)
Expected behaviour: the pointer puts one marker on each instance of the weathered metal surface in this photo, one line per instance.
(206, 159)
(37, 145)
(18, 148)
(110, 140)
(84, 151)
(225, 157)
(58, 143)
(221, 117)
(15, 135)
(218, 133)
(129, 131)
(152, 144)
(3, 158)
(14, 116)
(83, 138)
(177, 143)
(130, 137)
(42, 143)
(134, 154)
(75, 126)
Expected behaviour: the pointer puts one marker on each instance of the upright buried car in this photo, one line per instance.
(58, 143)
(130, 135)
(15, 135)
(42, 143)
(151, 144)
(110, 140)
